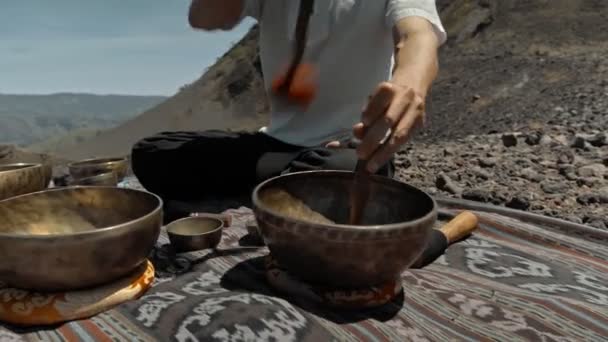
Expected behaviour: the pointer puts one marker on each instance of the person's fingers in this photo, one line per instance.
(359, 131)
(421, 122)
(378, 104)
(398, 107)
(400, 136)
(373, 138)
(378, 131)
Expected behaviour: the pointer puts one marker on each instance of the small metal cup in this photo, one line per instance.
(195, 233)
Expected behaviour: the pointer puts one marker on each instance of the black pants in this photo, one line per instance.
(196, 165)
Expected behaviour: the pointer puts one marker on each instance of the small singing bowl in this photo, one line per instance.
(93, 167)
(195, 233)
(104, 179)
(21, 178)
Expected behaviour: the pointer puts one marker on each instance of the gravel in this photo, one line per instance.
(559, 170)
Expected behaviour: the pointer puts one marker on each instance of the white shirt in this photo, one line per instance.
(350, 42)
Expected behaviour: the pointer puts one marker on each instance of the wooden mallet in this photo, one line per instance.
(457, 229)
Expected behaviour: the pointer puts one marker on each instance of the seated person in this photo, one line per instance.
(370, 67)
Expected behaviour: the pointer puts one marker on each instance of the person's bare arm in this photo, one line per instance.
(215, 14)
(416, 62)
(398, 104)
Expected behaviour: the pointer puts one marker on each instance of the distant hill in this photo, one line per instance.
(228, 96)
(53, 144)
(32, 119)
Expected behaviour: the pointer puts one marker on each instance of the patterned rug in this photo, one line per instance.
(509, 281)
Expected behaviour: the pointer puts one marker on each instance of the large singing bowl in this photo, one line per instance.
(394, 230)
(21, 178)
(76, 237)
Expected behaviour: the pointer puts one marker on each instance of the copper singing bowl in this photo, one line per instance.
(76, 237)
(395, 228)
(21, 178)
(92, 167)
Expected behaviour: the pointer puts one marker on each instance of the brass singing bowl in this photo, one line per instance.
(104, 179)
(21, 178)
(195, 233)
(92, 167)
(396, 226)
(76, 237)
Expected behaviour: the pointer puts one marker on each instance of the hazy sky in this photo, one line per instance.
(103, 46)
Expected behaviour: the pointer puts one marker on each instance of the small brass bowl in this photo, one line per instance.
(195, 233)
(93, 167)
(21, 178)
(104, 179)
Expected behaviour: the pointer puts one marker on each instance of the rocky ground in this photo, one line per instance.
(558, 168)
(519, 113)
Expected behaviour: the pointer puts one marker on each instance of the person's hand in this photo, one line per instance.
(388, 120)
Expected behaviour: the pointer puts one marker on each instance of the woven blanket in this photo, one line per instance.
(509, 281)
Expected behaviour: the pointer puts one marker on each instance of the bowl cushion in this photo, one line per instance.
(27, 308)
(339, 298)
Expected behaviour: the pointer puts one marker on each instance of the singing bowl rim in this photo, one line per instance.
(26, 166)
(102, 176)
(259, 205)
(97, 231)
(97, 161)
